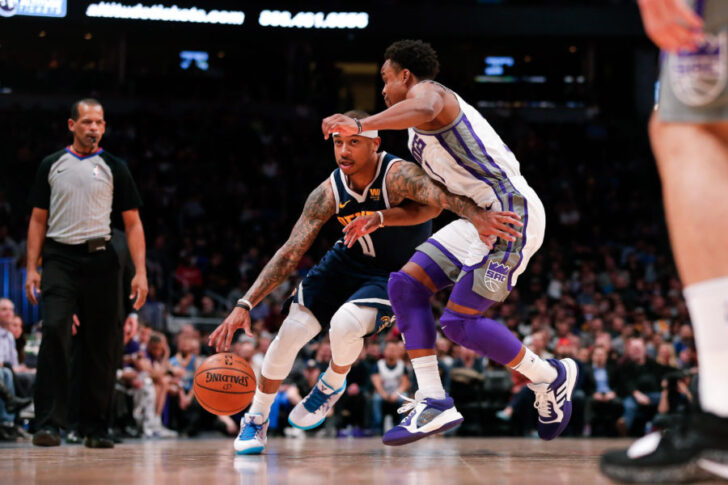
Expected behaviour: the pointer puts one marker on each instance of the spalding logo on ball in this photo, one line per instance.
(224, 384)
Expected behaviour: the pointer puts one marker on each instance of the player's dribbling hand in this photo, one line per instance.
(498, 224)
(32, 285)
(338, 123)
(361, 226)
(671, 24)
(222, 337)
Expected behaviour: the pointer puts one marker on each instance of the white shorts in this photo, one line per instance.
(457, 250)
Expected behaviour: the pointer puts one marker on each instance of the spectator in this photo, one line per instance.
(390, 381)
(157, 366)
(186, 306)
(603, 407)
(637, 383)
(186, 412)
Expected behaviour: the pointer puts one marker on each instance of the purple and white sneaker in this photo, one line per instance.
(553, 401)
(426, 416)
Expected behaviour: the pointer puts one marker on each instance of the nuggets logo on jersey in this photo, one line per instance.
(388, 248)
(345, 220)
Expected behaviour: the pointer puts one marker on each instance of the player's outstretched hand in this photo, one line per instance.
(340, 124)
(671, 24)
(222, 337)
(361, 226)
(498, 224)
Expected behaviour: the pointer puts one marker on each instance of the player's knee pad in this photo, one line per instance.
(454, 327)
(407, 296)
(410, 301)
(297, 329)
(348, 326)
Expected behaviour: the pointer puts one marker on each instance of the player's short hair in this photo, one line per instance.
(417, 56)
(87, 101)
(357, 113)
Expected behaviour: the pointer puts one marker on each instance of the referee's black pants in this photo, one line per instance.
(76, 281)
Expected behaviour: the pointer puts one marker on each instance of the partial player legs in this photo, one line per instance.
(348, 326)
(693, 164)
(432, 411)
(297, 329)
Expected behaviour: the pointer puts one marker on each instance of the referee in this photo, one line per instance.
(75, 191)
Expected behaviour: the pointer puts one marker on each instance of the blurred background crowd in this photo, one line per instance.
(225, 157)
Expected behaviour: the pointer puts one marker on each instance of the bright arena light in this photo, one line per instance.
(116, 10)
(313, 20)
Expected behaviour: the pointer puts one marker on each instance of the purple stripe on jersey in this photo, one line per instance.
(510, 243)
(447, 253)
(472, 171)
(523, 246)
(482, 148)
(510, 195)
(472, 157)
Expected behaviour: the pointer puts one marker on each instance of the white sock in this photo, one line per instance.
(262, 403)
(536, 369)
(428, 377)
(708, 305)
(333, 379)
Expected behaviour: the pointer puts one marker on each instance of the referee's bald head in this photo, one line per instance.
(75, 111)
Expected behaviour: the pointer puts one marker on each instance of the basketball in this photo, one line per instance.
(224, 384)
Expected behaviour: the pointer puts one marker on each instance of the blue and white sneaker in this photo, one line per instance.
(252, 437)
(312, 411)
(553, 401)
(426, 416)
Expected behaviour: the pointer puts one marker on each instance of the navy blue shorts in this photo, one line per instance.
(338, 279)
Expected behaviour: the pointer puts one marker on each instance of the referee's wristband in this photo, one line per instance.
(243, 303)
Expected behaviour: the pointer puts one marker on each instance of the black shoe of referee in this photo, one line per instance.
(98, 441)
(693, 448)
(47, 436)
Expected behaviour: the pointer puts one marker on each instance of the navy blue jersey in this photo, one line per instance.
(388, 248)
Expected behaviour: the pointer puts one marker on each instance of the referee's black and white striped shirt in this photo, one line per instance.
(80, 193)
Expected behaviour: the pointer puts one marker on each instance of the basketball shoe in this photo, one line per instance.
(553, 401)
(252, 437)
(311, 412)
(426, 416)
(694, 448)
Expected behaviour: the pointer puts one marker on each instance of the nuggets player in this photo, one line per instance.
(457, 147)
(347, 289)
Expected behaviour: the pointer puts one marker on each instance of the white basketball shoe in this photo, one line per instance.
(252, 437)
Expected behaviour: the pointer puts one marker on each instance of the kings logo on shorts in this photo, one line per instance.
(496, 275)
(698, 78)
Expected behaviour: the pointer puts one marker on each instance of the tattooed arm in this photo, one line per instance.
(407, 180)
(319, 208)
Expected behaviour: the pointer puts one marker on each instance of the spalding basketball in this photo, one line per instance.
(224, 384)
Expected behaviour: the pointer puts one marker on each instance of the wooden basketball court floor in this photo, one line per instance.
(436, 461)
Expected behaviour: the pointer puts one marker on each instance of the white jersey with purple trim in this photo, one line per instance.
(470, 159)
